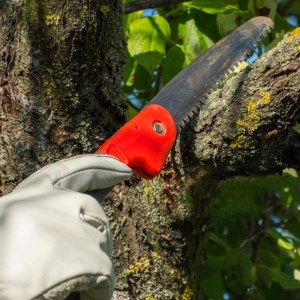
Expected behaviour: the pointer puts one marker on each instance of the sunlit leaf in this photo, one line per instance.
(194, 41)
(297, 275)
(129, 18)
(147, 40)
(214, 7)
(290, 172)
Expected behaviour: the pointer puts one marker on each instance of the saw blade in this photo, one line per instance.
(187, 91)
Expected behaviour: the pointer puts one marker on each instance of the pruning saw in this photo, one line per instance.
(145, 141)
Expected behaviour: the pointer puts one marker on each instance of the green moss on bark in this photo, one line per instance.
(65, 60)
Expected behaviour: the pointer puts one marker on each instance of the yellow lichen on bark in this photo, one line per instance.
(154, 255)
(250, 120)
(104, 9)
(139, 266)
(293, 36)
(241, 141)
(265, 98)
(187, 293)
(52, 20)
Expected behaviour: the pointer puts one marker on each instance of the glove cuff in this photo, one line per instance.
(89, 286)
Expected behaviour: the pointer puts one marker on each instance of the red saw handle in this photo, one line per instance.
(144, 142)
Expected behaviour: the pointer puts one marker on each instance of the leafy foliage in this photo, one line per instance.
(146, 42)
(254, 249)
(255, 238)
(161, 42)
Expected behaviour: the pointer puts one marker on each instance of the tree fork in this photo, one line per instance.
(60, 71)
(161, 227)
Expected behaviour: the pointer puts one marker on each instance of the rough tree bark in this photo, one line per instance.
(60, 72)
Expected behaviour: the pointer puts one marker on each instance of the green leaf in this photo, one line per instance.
(191, 41)
(238, 271)
(297, 128)
(131, 112)
(263, 7)
(281, 26)
(294, 227)
(295, 8)
(147, 40)
(213, 287)
(215, 7)
(287, 281)
(129, 71)
(194, 41)
(207, 24)
(285, 244)
(297, 275)
(211, 282)
(149, 60)
(266, 259)
(227, 23)
(129, 18)
(284, 240)
(218, 241)
(142, 79)
(173, 63)
(296, 262)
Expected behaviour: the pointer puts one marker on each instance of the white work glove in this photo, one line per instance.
(54, 238)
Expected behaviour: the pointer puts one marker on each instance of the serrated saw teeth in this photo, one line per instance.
(201, 77)
(144, 142)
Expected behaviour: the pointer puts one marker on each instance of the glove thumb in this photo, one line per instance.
(80, 173)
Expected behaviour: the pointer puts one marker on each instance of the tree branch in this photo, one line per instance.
(247, 126)
(140, 5)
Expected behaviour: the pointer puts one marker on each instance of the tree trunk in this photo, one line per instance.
(60, 71)
(60, 95)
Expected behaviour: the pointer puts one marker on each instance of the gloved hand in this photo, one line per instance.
(54, 238)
